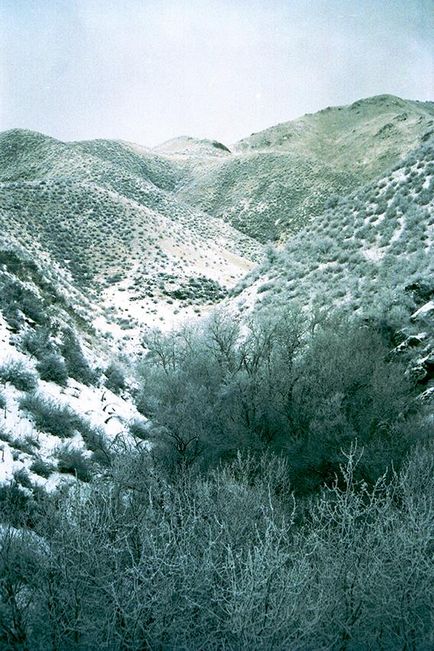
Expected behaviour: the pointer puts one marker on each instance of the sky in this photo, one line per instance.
(150, 70)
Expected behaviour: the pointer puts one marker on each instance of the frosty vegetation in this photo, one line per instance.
(224, 560)
(287, 502)
(262, 480)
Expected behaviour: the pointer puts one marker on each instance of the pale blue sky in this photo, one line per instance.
(149, 70)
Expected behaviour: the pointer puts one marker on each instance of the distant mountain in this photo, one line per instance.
(154, 232)
(29, 156)
(106, 212)
(364, 136)
(281, 178)
(187, 146)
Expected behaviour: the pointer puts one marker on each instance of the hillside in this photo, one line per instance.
(94, 249)
(267, 195)
(30, 156)
(104, 212)
(366, 137)
(369, 254)
(99, 243)
(60, 380)
(185, 146)
(280, 178)
(100, 238)
(204, 440)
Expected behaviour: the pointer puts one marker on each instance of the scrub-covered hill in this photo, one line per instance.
(65, 396)
(281, 178)
(104, 211)
(369, 254)
(261, 477)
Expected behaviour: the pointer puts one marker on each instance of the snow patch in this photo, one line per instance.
(373, 254)
(399, 231)
(424, 310)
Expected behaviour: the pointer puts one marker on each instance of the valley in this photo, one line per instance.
(203, 344)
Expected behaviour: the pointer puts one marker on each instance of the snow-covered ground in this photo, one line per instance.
(108, 413)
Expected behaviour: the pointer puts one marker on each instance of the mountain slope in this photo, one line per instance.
(61, 413)
(187, 146)
(28, 155)
(282, 177)
(105, 212)
(266, 195)
(366, 136)
(371, 254)
(101, 239)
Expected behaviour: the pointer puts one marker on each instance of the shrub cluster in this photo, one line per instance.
(50, 416)
(306, 392)
(51, 365)
(74, 462)
(17, 300)
(76, 363)
(115, 378)
(229, 560)
(42, 468)
(52, 368)
(17, 373)
(60, 420)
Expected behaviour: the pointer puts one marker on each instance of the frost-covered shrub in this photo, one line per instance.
(18, 506)
(22, 478)
(51, 416)
(52, 368)
(17, 299)
(425, 197)
(96, 441)
(28, 444)
(42, 468)
(115, 378)
(72, 461)
(76, 363)
(17, 373)
(37, 342)
(139, 428)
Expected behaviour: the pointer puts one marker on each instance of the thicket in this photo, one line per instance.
(287, 503)
(226, 560)
(305, 390)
